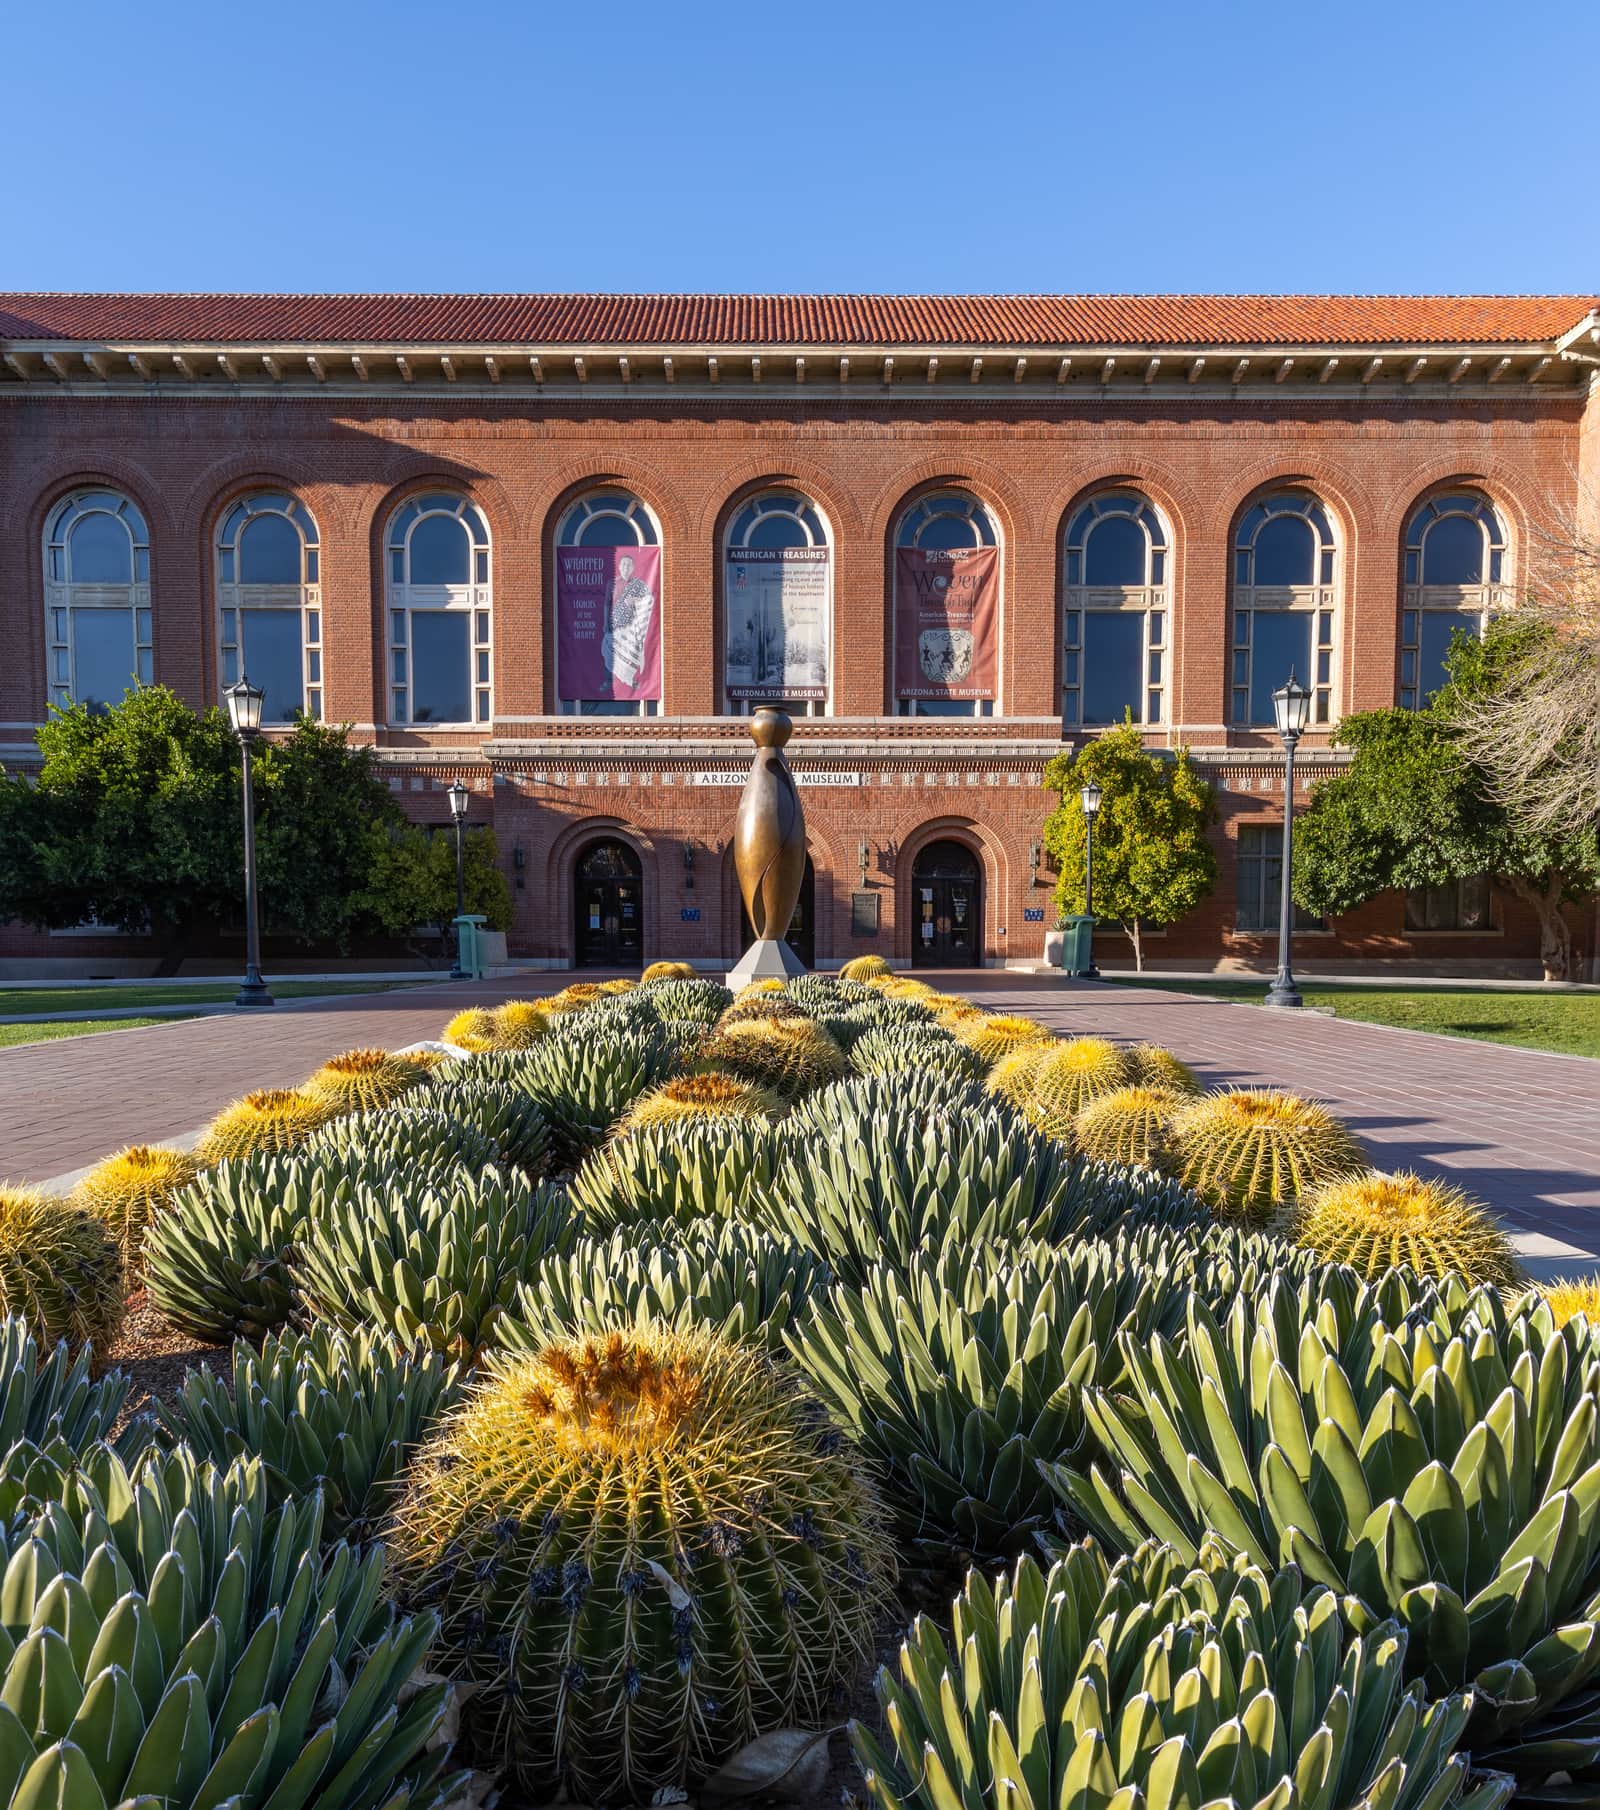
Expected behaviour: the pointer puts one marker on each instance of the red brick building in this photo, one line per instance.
(559, 545)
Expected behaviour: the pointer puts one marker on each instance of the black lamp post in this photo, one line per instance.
(459, 799)
(1291, 707)
(1090, 795)
(244, 712)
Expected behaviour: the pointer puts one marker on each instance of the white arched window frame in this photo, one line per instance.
(98, 624)
(776, 519)
(1116, 613)
(947, 519)
(269, 597)
(1457, 574)
(440, 612)
(1285, 606)
(606, 518)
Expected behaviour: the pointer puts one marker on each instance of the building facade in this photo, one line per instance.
(559, 547)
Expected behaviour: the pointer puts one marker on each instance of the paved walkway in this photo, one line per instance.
(1519, 1128)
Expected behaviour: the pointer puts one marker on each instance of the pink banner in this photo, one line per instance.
(946, 606)
(608, 622)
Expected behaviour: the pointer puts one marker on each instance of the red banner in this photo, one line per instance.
(946, 607)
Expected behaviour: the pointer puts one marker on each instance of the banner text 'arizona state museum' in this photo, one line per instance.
(946, 607)
(777, 603)
(608, 623)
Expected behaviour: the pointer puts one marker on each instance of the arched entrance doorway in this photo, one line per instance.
(608, 907)
(802, 934)
(946, 907)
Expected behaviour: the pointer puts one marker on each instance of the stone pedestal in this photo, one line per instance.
(767, 958)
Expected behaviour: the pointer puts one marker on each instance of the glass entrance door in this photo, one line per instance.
(608, 907)
(946, 908)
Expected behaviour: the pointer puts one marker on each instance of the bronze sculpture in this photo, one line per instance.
(769, 851)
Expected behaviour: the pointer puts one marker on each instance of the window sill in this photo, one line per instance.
(1487, 930)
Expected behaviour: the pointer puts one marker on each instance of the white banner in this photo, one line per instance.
(776, 600)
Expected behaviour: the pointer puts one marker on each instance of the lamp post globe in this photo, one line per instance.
(1291, 711)
(244, 702)
(459, 799)
(1089, 797)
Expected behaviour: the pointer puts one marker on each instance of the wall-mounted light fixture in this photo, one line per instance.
(863, 855)
(1035, 856)
(519, 860)
(688, 866)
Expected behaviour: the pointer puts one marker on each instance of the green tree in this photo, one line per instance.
(133, 819)
(1414, 809)
(1153, 861)
(413, 879)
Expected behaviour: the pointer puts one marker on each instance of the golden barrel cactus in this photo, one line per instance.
(792, 1056)
(865, 967)
(60, 1270)
(758, 1008)
(1569, 1296)
(1249, 1151)
(649, 1549)
(269, 1120)
(997, 1034)
(1067, 1077)
(127, 1190)
(667, 971)
(1152, 1066)
(364, 1080)
(471, 1030)
(517, 1025)
(1376, 1222)
(1012, 1076)
(1130, 1125)
(702, 1097)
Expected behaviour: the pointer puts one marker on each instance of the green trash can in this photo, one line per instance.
(469, 951)
(1077, 948)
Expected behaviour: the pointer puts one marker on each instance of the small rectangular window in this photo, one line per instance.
(1280, 645)
(314, 627)
(272, 658)
(1113, 657)
(1454, 905)
(440, 667)
(1260, 880)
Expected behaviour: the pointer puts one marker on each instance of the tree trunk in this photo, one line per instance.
(1555, 934)
(1131, 932)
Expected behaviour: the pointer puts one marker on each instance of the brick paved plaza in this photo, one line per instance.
(1517, 1127)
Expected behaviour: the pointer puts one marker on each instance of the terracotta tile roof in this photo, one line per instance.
(834, 320)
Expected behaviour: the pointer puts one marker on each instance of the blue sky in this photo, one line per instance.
(707, 145)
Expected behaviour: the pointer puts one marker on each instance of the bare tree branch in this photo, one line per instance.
(1538, 736)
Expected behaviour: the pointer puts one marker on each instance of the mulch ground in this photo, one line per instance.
(155, 1358)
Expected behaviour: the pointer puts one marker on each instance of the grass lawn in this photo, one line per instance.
(73, 1027)
(1566, 1022)
(92, 998)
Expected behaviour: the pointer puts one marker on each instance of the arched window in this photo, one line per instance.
(777, 596)
(1285, 594)
(947, 606)
(97, 599)
(440, 610)
(608, 607)
(1116, 613)
(269, 593)
(1456, 573)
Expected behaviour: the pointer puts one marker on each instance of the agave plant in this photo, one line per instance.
(696, 1001)
(439, 1262)
(1250, 1151)
(322, 1412)
(170, 1639)
(60, 1270)
(646, 1552)
(1149, 1684)
(497, 1109)
(714, 1274)
(1375, 1222)
(47, 1395)
(128, 1190)
(961, 1372)
(1438, 1464)
(407, 1138)
(892, 1049)
(676, 1173)
(582, 1084)
(888, 1167)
